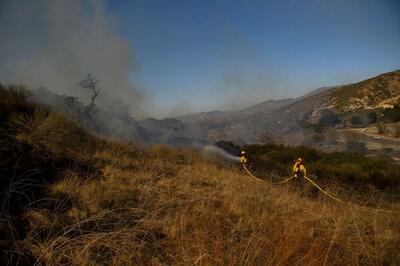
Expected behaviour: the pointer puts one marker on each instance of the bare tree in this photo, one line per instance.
(90, 82)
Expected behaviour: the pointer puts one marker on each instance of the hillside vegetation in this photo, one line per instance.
(350, 168)
(378, 92)
(70, 198)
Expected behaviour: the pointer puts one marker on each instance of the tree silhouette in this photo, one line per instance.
(90, 83)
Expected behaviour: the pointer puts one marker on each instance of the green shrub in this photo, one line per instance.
(329, 118)
(228, 146)
(348, 167)
(392, 114)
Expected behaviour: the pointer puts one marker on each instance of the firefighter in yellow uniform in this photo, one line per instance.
(299, 170)
(243, 158)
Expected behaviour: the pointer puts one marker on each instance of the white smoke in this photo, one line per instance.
(56, 43)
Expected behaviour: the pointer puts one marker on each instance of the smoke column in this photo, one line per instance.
(56, 43)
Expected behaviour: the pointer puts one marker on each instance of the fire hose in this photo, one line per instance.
(314, 184)
(261, 180)
(290, 178)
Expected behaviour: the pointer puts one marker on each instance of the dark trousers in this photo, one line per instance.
(299, 179)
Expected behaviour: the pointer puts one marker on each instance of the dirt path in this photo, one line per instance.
(367, 132)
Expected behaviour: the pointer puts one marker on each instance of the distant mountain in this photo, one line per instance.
(379, 92)
(287, 120)
(329, 106)
(264, 107)
(318, 91)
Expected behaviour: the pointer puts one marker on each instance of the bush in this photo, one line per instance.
(229, 147)
(47, 132)
(356, 146)
(329, 118)
(392, 114)
(356, 120)
(13, 101)
(347, 167)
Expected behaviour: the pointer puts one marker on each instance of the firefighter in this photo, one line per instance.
(299, 170)
(243, 158)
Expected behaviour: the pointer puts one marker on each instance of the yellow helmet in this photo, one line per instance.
(299, 160)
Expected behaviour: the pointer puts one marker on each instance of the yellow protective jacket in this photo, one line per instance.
(243, 160)
(299, 168)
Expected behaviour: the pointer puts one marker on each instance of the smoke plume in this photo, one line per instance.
(54, 44)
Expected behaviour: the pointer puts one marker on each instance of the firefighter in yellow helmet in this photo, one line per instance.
(243, 158)
(299, 170)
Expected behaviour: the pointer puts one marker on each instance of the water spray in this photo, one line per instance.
(215, 149)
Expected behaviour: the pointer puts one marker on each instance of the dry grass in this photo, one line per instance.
(166, 206)
(70, 199)
(47, 132)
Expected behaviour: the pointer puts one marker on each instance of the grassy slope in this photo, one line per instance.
(155, 206)
(167, 206)
(372, 91)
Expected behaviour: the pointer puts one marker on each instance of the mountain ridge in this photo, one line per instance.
(336, 100)
(272, 119)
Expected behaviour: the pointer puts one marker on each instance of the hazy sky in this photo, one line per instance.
(214, 54)
(171, 57)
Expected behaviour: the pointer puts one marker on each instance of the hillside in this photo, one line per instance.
(264, 107)
(301, 120)
(381, 91)
(289, 116)
(210, 126)
(288, 121)
(71, 198)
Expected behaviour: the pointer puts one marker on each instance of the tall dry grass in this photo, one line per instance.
(167, 206)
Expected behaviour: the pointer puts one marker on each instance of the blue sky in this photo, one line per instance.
(205, 55)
